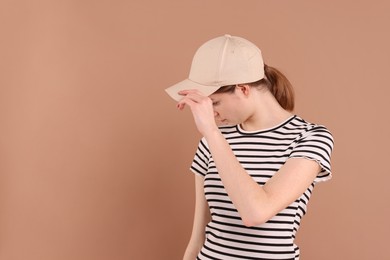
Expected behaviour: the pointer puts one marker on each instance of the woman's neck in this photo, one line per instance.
(267, 113)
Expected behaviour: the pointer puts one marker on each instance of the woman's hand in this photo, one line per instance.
(202, 110)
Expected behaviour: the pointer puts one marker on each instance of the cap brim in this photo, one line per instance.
(188, 84)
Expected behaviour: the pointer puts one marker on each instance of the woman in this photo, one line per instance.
(257, 163)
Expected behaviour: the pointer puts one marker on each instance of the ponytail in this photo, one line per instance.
(280, 87)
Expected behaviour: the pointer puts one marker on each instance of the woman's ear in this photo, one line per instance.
(244, 89)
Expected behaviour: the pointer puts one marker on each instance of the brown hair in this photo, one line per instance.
(276, 82)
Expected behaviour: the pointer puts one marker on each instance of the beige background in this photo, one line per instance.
(94, 156)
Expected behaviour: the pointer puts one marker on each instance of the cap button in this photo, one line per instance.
(228, 36)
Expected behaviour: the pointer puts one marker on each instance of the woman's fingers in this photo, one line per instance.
(188, 91)
(201, 108)
(191, 97)
(193, 94)
(185, 101)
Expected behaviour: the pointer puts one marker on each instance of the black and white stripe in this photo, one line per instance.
(261, 153)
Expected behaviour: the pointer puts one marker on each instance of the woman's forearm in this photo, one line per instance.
(245, 193)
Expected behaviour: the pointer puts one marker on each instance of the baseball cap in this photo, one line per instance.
(222, 61)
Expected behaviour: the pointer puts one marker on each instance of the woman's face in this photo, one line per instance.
(229, 108)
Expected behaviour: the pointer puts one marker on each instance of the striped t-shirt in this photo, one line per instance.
(261, 153)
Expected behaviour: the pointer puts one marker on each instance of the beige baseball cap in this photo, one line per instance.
(222, 61)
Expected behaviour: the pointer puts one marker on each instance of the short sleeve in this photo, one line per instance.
(316, 144)
(201, 159)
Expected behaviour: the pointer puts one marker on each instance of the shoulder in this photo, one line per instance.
(314, 141)
(312, 129)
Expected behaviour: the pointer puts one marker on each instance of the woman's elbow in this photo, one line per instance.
(255, 219)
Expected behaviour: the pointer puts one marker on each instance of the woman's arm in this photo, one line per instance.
(201, 218)
(256, 204)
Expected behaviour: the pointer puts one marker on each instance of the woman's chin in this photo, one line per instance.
(223, 123)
